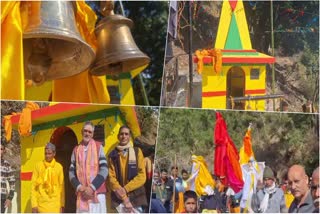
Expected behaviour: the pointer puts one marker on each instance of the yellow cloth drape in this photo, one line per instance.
(8, 127)
(25, 122)
(288, 198)
(79, 88)
(39, 193)
(12, 72)
(246, 151)
(216, 56)
(179, 205)
(82, 87)
(202, 176)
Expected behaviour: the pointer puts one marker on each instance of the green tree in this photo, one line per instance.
(149, 32)
(278, 139)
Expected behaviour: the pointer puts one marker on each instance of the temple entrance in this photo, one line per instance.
(235, 87)
(65, 140)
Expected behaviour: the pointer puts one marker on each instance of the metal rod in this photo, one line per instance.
(122, 9)
(272, 47)
(190, 54)
(265, 97)
(143, 91)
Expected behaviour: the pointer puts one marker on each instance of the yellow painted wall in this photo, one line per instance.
(125, 89)
(256, 84)
(213, 82)
(41, 93)
(32, 150)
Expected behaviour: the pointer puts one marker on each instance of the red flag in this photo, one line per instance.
(226, 156)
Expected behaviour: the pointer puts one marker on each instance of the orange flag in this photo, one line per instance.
(246, 151)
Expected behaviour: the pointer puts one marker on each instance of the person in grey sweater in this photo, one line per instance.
(88, 172)
(270, 199)
(299, 186)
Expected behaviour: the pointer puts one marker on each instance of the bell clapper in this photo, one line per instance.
(39, 62)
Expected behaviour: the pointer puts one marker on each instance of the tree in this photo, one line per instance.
(149, 32)
(278, 139)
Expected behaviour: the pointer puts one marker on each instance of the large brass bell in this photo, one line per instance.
(53, 46)
(116, 50)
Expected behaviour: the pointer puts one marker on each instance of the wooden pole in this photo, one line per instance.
(190, 54)
(174, 185)
(272, 46)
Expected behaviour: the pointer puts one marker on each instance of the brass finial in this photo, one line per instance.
(107, 8)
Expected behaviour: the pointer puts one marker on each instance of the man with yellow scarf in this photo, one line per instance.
(127, 175)
(47, 194)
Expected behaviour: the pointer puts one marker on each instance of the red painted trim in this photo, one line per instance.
(214, 93)
(240, 60)
(238, 51)
(256, 91)
(233, 4)
(26, 176)
(49, 110)
(224, 93)
(248, 60)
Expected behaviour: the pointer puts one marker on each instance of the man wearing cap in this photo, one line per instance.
(298, 182)
(127, 175)
(270, 199)
(87, 173)
(47, 185)
(315, 189)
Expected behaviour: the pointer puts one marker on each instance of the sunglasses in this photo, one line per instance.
(315, 187)
(86, 130)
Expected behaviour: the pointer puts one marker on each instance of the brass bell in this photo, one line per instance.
(53, 46)
(116, 50)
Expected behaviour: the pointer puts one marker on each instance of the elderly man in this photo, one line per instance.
(7, 175)
(88, 171)
(315, 189)
(298, 182)
(47, 194)
(127, 174)
(270, 199)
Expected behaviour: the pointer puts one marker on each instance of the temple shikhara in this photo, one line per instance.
(233, 69)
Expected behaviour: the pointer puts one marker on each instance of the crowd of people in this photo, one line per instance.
(123, 170)
(295, 193)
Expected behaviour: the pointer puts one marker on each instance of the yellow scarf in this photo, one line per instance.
(49, 176)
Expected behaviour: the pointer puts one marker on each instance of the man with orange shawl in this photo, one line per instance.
(47, 193)
(88, 172)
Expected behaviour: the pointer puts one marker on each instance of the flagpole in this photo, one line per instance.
(174, 185)
(272, 46)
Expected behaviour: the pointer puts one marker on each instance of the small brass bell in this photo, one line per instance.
(53, 46)
(116, 50)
